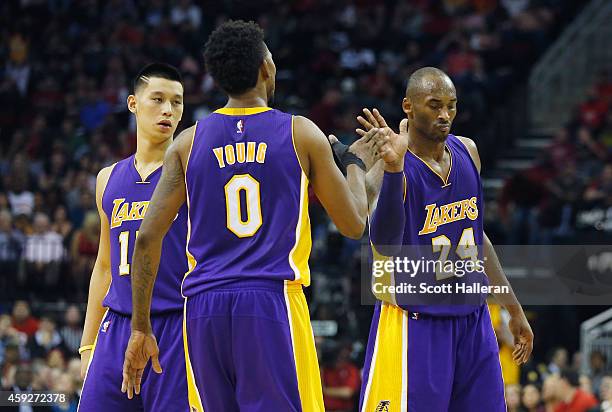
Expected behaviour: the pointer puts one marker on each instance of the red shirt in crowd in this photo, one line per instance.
(581, 402)
(344, 374)
(28, 326)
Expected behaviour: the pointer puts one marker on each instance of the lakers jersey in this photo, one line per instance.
(247, 201)
(125, 202)
(444, 224)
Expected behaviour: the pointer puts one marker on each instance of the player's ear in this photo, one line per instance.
(407, 106)
(131, 103)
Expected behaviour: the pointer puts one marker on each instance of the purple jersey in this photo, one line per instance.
(445, 215)
(125, 202)
(247, 201)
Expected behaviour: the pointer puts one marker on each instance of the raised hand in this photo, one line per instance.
(372, 119)
(140, 348)
(392, 147)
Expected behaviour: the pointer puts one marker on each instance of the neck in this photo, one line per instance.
(423, 147)
(253, 98)
(148, 152)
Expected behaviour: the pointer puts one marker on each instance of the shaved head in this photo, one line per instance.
(428, 80)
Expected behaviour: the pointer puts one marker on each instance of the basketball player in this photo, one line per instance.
(123, 192)
(244, 172)
(434, 357)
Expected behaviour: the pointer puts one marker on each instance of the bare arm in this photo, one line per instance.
(519, 326)
(344, 200)
(169, 195)
(100, 276)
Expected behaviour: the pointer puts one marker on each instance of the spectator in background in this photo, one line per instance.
(531, 399)
(62, 225)
(44, 252)
(340, 381)
(72, 330)
(606, 395)
(597, 363)
(599, 192)
(9, 335)
(23, 321)
(550, 393)
(65, 384)
(513, 398)
(573, 399)
(11, 245)
(23, 383)
(45, 339)
(558, 360)
(83, 252)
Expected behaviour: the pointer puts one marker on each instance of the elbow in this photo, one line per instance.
(354, 231)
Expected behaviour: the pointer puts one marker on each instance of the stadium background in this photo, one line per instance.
(66, 70)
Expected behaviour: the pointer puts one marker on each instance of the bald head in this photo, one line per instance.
(428, 80)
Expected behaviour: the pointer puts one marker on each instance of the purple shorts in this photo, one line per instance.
(419, 363)
(251, 349)
(164, 392)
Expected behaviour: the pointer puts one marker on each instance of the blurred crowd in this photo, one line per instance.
(568, 192)
(66, 72)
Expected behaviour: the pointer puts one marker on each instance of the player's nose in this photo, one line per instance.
(167, 108)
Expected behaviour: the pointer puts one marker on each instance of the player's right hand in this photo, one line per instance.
(391, 147)
(85, 362)
(140, 348)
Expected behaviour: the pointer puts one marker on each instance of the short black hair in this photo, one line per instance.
(422, 80)
(571, 376)
(233, 54)
(162, 70)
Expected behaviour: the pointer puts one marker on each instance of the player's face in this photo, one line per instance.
(158, 107)
(432, 113)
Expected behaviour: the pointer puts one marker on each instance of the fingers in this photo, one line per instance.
(360, 132)
(332, 139)
(155, 363)
(381, 120)
(403, 126)
(367, 125)
(371, 118)
(138, 381)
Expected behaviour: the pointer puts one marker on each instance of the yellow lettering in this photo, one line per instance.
(261, 152)
(429, 227)
(134, 215)
(472, 211)
(114, 221)
(250, 152)
(218, 151)
(230, 156)
(240, 152)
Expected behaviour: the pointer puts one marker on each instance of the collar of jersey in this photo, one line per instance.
(241, 111)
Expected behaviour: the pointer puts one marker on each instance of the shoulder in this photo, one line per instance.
(307, 129)
(472, 149)
(104, 175)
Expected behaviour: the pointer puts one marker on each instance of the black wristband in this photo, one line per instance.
(343, 157)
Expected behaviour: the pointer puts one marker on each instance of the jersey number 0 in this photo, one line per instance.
(233, 205)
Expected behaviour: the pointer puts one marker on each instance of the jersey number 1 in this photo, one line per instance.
(124, 266)
(233, 205)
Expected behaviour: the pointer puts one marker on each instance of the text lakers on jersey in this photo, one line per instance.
(126, 211)
(451, 212)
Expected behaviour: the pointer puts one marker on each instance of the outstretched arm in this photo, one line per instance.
(344, 200)
(167, 198)
(519, 326)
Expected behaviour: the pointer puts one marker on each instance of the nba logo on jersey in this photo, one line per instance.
(240, 126)
(105, 326)
(383, 406)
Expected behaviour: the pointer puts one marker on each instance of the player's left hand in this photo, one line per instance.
(523, 338)
(140, 348)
